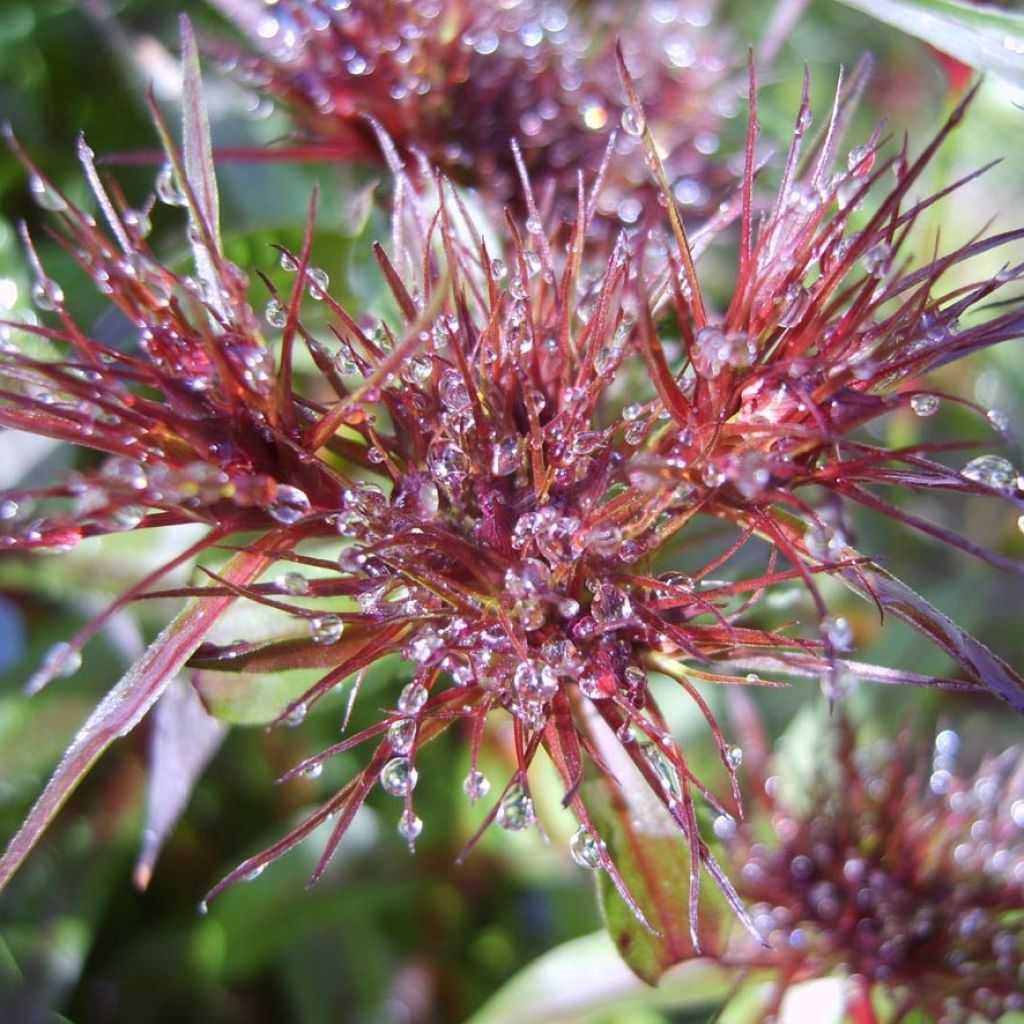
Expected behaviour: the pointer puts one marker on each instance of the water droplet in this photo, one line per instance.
(326, 629)
(734, 757)
(447, 462)
(999, 420)
(924, 405)
(515, 812)
(318, 282)
(138, 223)
(277, 315)
(838, 632)
(611, 604)
(314, 771)
(412, 698)
(476, 785)
(724, 826)
(585, 849)
(292, 583)
(505, 456)
(535, 682)
(251, 876)
(289, 505)
(60, 660)
(992, 471)
(296, 716)
(46, 294)
(453, 391)
(498, 269)
(534, 225)
(398, 776)
(168, 191)
(45, 195)
(876, 260)
(633, 120)
(1017, 813)
(402, 735)
(410, 825)
(288, 262)
(663, 768)
(596, 684)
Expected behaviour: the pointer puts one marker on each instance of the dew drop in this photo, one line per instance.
(318, 282)
(1017, 813)
(515, 812)
(402, 735)
(633, 120)
(276, 314)
(398, 776)
(498, 269)
(289, 505)
(296, 716)
(314, 771)
(168, 191)
(45, 195)
(292, 583)
(734, 757)
(724, 826)
(46, 294)
(924, 405)
(288, 262)
(251, 876)
(412, 698)
(993, 471)
(326, 629)
(585, 849)
(838, 632)
(476, 785)
(410, 825)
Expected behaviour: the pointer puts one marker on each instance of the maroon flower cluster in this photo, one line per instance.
(907, 878)
(453, 82)
(533, 476)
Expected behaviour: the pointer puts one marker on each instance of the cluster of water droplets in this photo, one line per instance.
(936, 900)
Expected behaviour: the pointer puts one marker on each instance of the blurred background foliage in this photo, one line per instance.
(386, 937)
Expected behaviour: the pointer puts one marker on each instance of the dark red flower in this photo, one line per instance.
(455, 82)
(522, 473)
(907, 877)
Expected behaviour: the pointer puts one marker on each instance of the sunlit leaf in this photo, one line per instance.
(983, 37)
(585, 979)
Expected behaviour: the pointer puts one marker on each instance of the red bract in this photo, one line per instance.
(455, 82)
(907, 876)
(514, 470)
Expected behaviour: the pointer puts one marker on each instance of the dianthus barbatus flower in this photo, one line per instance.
(457, 81)
(507, 469)
(906, 876)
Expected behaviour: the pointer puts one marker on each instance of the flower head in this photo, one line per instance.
(907, 876)
(510, 481)
(456, 82)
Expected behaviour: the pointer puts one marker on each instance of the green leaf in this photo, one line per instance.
(980, 36)
(126, 705)
(653, 860)
(585, 980)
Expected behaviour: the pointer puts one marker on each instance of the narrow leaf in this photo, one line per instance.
(184, 739)
(125, 706)
(978, 35)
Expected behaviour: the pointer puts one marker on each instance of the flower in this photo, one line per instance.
(455, 83)
(907, 877)
(512, 474)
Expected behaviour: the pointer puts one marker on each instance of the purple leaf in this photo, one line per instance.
(183, 741)
(126, 705)
(981, 665)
